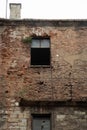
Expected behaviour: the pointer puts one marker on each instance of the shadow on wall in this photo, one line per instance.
(3, 115)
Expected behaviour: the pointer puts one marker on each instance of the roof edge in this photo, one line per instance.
(43, 22)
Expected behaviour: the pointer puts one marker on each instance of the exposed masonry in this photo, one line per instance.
(59, 89)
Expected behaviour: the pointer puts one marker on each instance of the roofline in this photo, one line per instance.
(35, 19)
(43, 22)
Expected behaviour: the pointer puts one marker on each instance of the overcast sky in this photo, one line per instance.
(48, 9)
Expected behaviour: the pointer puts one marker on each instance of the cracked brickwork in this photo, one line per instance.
(64, 80)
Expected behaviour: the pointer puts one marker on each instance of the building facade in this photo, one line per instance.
(43, 74)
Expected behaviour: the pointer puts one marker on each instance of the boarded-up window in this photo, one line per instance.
(41, 122)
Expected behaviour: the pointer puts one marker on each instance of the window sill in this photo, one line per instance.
(40, 66)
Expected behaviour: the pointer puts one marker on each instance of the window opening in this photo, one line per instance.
(41, 122)
(40, 51)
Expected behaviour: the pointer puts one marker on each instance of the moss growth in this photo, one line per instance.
(27, 40)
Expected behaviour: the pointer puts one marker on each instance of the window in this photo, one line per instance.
(40, 51)
(41, 122)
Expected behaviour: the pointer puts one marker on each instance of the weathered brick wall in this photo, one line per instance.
(71, 119)
(62, 118)
(65, 80)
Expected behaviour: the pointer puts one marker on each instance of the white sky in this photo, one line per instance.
(48, 9)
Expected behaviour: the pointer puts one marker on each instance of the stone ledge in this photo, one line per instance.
(53, 103)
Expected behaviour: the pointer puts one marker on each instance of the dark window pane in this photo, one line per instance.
(40, 56)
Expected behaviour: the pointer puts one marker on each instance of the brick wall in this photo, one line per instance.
(62, 118)
(64, 80)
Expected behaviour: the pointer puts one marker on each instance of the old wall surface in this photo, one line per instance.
(64, 80)
(62, 118)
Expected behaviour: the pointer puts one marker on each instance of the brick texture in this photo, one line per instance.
(65, 79)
